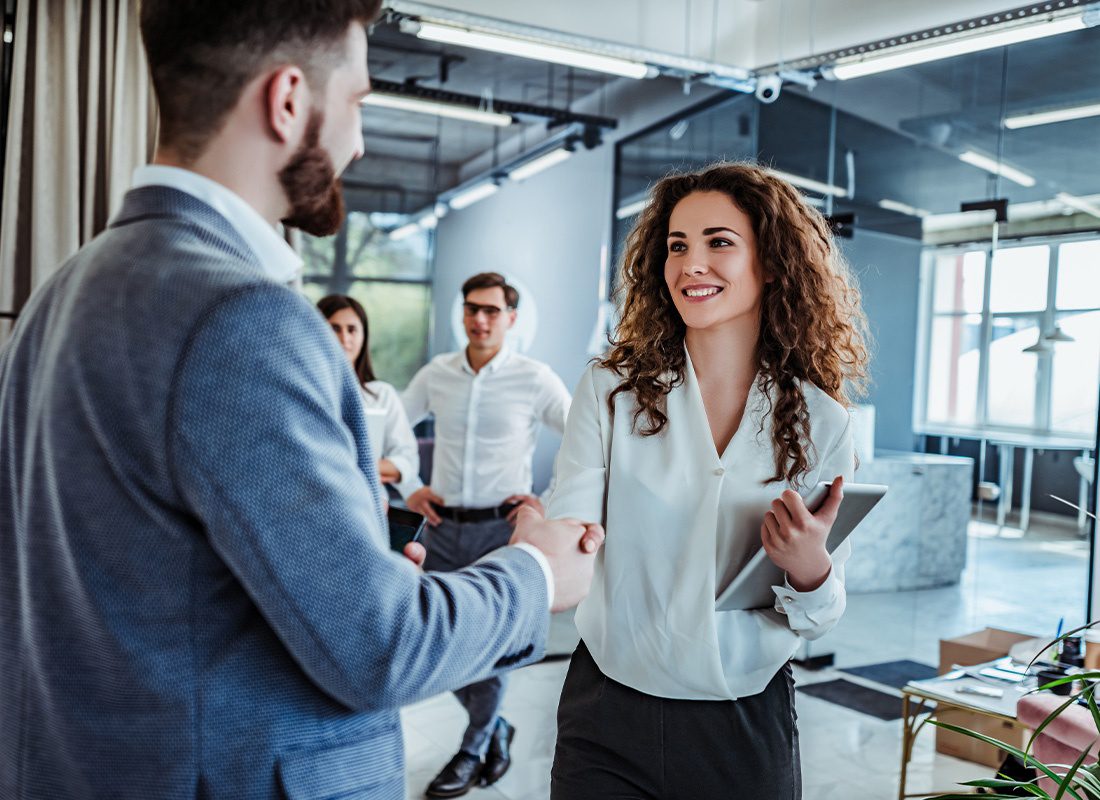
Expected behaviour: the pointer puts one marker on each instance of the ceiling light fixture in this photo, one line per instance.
(467, 197)
(810, 184)
(1058, 335)
(543, 162)
(449, 110)
(630, 209)
(1079, 203)
(947, 46)
(902, 208)
(404, 232)
(539, 51)
(996, 167)
(1053, 115)
(1040, 346)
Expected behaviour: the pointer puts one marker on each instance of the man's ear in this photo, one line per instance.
(287, 103)
(511, 318)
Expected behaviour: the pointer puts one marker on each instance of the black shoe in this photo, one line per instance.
(458, 777)
(498, 758)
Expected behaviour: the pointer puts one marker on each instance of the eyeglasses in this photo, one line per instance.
(473, 309)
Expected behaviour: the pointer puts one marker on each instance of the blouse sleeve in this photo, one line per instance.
(580, 471)
(813, 614)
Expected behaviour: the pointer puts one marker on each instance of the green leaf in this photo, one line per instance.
(1020, 754)
(1000, 783)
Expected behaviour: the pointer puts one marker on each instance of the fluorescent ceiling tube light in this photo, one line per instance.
(468, 197)
(902, 208)
(428, 221)
(537, 165)
(404, 232)
(810, 184)
(419, 105)
(1054, 115)
(997, 168)
(896, 58)
(630, 209)
(1078, 203)
(539, 51)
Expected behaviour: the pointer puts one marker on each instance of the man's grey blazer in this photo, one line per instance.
(197, 599)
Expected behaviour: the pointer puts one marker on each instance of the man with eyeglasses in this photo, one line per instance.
(488, 403)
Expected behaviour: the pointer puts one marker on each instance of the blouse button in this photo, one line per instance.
(719, 471)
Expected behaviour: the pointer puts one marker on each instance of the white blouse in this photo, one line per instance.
(680, 522)
(399, 444)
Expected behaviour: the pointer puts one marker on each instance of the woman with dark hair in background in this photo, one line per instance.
(722, 398)
(398, 456)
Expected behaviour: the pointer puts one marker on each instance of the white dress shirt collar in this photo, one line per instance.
(276, 257)
(490, 366)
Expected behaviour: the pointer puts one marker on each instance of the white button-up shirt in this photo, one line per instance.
(681, 522)
(486, 423)
(276, 256)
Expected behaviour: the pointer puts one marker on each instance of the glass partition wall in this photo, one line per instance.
(986, 323)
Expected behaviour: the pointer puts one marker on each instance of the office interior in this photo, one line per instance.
(964, 191)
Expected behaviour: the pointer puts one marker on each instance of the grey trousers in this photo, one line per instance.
(451, 546)
(615, 743)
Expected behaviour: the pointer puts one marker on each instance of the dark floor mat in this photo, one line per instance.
(893, 673)
(858, 698)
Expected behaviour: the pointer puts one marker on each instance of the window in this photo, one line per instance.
(390, 277)
(1021, 356)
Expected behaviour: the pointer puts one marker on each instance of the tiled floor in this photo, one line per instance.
(1020, 582)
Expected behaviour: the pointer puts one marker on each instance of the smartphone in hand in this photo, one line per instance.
(405, 526)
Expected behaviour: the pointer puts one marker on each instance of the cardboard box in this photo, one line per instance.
(968, 749)
(977, 648)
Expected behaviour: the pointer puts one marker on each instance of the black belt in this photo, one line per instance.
(465, 515)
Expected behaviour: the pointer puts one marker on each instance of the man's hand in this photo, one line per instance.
(521, 500)
(569, 545)
(387, 472)
(794, 539)
(421, 502)
(415, 552)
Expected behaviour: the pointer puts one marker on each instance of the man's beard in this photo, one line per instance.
(312, 187)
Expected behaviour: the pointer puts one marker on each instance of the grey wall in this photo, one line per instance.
(548, 233)
(888, 271)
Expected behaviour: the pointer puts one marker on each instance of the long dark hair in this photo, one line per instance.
(338, 302)
(812, 327)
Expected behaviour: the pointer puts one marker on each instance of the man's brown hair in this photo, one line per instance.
(490, 280)
(202, 53)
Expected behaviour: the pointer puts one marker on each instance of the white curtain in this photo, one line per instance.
(82, 118)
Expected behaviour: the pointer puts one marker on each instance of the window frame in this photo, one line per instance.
(1040, 429)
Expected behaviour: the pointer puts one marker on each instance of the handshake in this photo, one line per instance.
(569, 545)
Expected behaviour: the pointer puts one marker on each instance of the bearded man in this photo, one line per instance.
(197, 599)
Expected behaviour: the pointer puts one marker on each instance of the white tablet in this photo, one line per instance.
(376, 429)
(752, 586)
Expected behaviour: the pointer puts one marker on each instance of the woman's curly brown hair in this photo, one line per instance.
(812, 327)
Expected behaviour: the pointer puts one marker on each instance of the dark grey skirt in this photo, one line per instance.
(616, 743)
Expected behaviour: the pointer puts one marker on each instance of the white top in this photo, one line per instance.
(486, 423)
(680, 523)
(276, 256)
(399, 442)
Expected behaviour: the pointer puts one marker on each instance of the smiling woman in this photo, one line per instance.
(721, 403)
